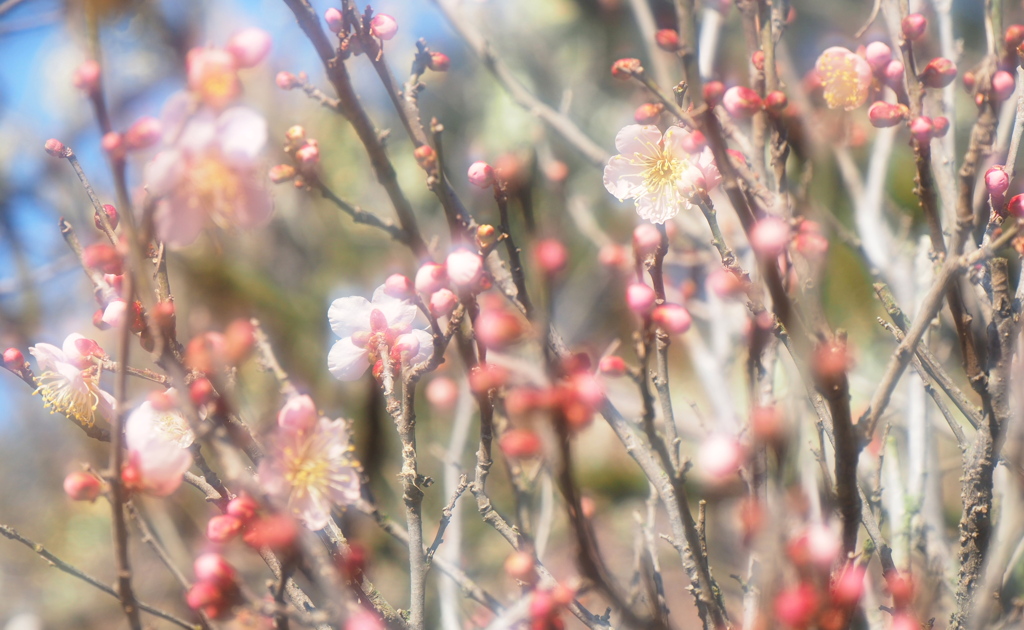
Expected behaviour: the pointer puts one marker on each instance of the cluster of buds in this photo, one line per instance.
(242, 517)
(142, 134)
(305, 154)
(463, 270)
(546, 606)
(215, 591)
(575, 398)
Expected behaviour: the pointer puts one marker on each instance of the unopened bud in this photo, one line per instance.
(222, 528)
(673, 318)
(282, 173)
(442, 302)
(113, 145)
(913, 26)
(520, 443)
(14, 360)
(295, 135)
(496, 328)
(111, 214)
(426, 157)
(82, 486)
(719, 458)
(239, 340)
(757, 60)
(486, 235)
(667, 39)
(430, 278)
(55, 148)
(640, 298)
(1002, 85)
(87, 77)
(882, 114)
(520, 565)
(144, 133)
(878, 55)
(276, 531)
(769, 237)
(940, 126)
(399, 286)
(464, 268)
(442, 392)
(550, 255)
(922, 129)
(694, 142)
(481, 174)
(1014, 37)
(997, 180)
(775, 102)
(939, 73)
(439, 62)
(334, 19)
(243, 507)
(308, 156)
(383, 26)
(646, 239)
(741, 101)
(626, 68)
(249, 47)
(1016, 206)
(893, 73)
(648, 113)
(286, 81)
(213, 568)
(163, 315)
(201, 392)
(713, 92)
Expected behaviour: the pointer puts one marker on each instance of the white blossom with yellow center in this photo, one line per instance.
(69, 383)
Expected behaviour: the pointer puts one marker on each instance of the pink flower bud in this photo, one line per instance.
(769, 237)
(1016, 206)
(425, 156)
(626, 68)
(442, 302)
(775, 102)
(520, 443)
(206, 596)
(298, 414)
(1002, 85)
(719, 458)
(741, 101)
(144, 133)
(334, 19)
(213, 568)
(308, 156)
(431, 277)
(439, 62)
(249, 47)
(997, 180)
(939, 73)
(276, 531)
(1014, 37)
(893, 73)
(672, 318)
(713, 92)
(496, 329)
(878, 55)
(849, 586)
(282, 173)
(667, 39)
(757, 60)
(201, 392)
(55, 148)
(243, 507)
(481, 174)
(442, 392)
(102, 257)
(612, 365)
(646, 239)
(648, 113)
(14, 360)
(406, 347)
(383, 26)
(112, 218)
(913, 26)
(640, 298)
(550, 255)
(520, 566)
(222, 528)
(724, 283)
(694, 142)
(113, 144)
(882, 114)
(797, 606)
(940, 126)
(922, 129)
(465, 268)
(82, 486)
(364, 620)
(87, 77)
(399, 286)
(286, 80)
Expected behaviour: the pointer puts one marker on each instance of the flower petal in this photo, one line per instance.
(177, 222)
(661, 205)
(199, 132)
(346, 361)
(349, 315)
(242, 134)
(642, 139)
(162, 174)
(426, 346)
(47, 355)
(675, 139)
(255, 205)
(399, 313)
(624, 178)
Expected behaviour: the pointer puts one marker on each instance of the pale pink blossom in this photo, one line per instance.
(208, 171)
(212, 75)
(657, 172)
(249, 47)
(308, 471)
(845, 77)
(298, 414)
(68, 379)
(158, 457)
(365, 326)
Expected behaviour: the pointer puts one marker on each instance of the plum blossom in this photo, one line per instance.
(845, 77)
(157, 440)
(310, 467)
(365, 326)
(657, 172)
(69, 380)
(207, 172)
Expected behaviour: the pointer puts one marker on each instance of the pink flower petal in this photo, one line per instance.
(349, 315)
(624, 178)
(47, 355)
(399, 313)
(241, 134)
(163, 173)
(642, 139)
(178, 223)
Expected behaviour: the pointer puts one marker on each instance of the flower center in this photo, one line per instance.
(841, 81)
(305, 474)
(212, 185)
(75, 399)
(662, 170)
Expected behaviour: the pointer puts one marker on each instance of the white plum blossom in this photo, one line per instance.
(309, 468)
(657, 172)
(208, 171)
(365, 326)
(158, 457)
(69, 380)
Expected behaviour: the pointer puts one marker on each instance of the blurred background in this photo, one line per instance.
(287, 274)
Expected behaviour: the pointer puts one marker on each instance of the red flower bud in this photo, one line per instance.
(14, 360)
(775, 102)
(481, 174)
(286, 80)
(1014, 37)
(223, 527)
(55, 148)
(1002, 85)
(82, 486)
(201, 392)
(1016, 206)
(713, 92)
(939, 73)
(626, 67)
(439, 62)
(243, 507)
(940, 126)
(520, 443)
(383, 26)
(757, 60)
(922, 129)
(673, 318)
(612, 365)
(550, 255)
(741, 101)
(882, 114)
(425, 157)
(913, 26)
(648, 113)
(276, 531)
(102, 257)
(667, 39)
(112, 217)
